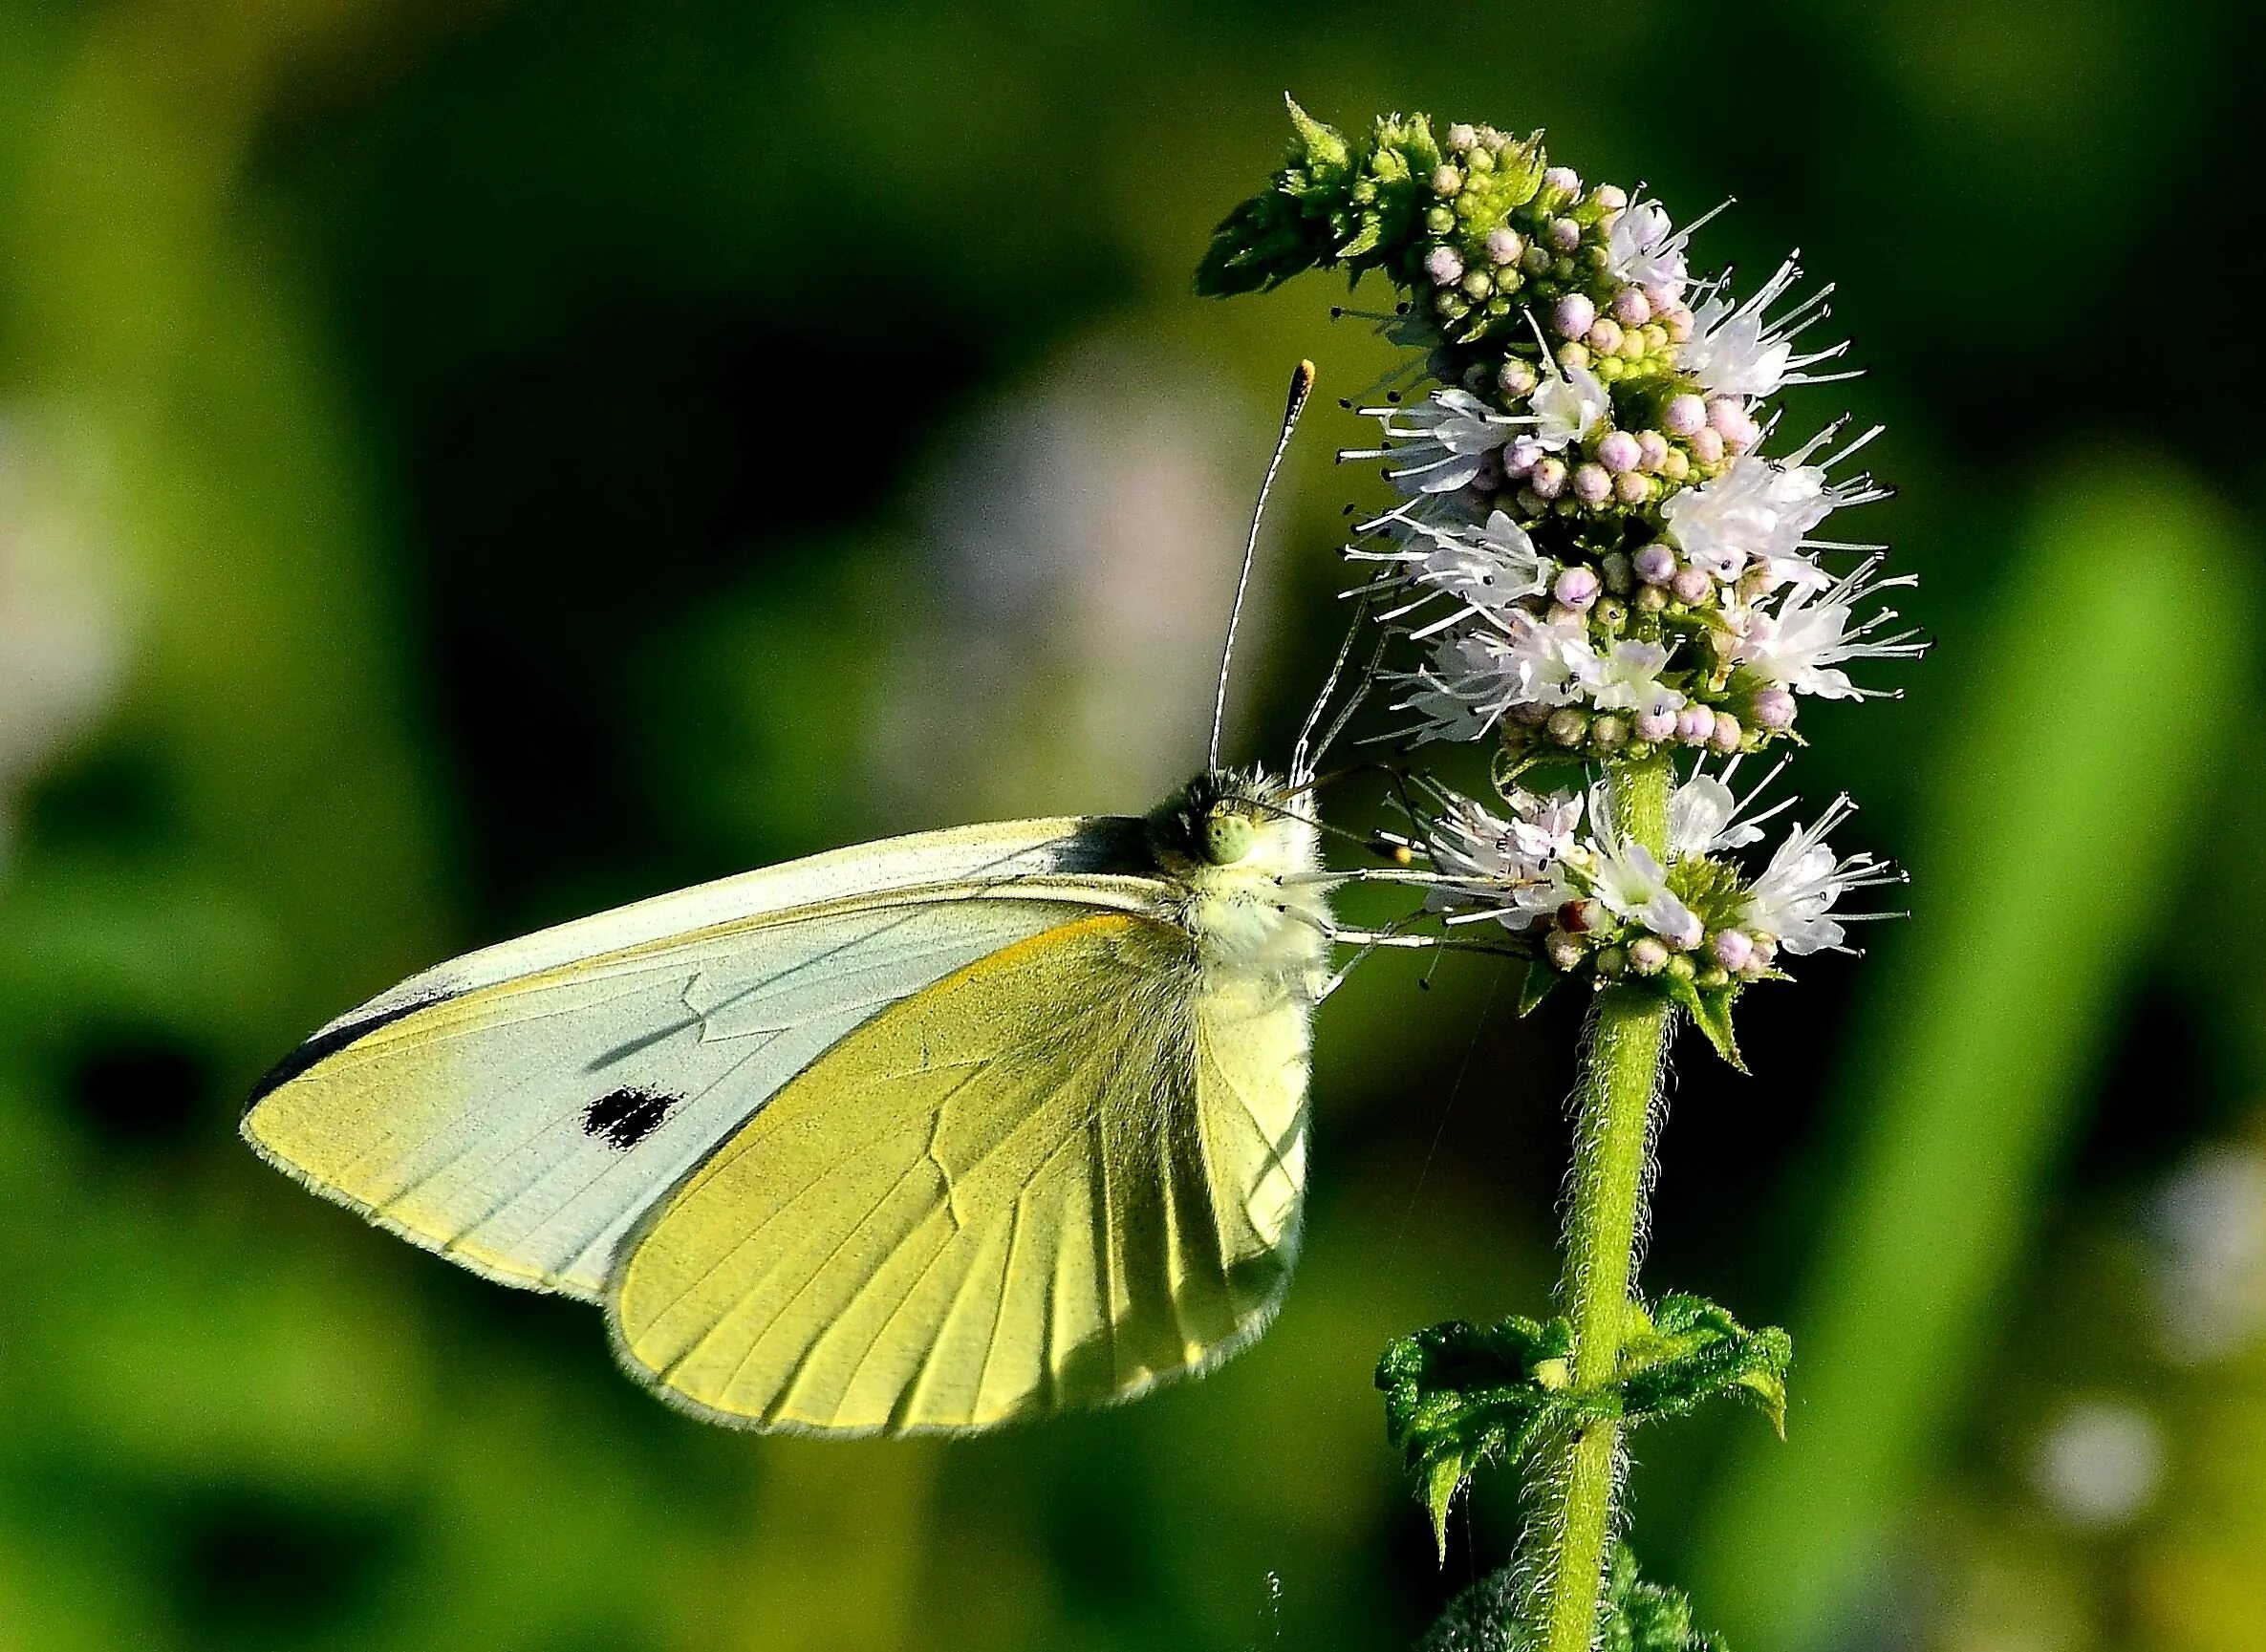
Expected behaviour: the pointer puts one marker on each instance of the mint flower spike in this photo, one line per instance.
(1598, 558)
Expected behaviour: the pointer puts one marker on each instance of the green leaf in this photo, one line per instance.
(1711, 1013)
(1321, 148)
(1710, 1010)
(1641, 1617)
(1444, 1475)
(1694, 1351)
(1541, 982)
(1457, 1395)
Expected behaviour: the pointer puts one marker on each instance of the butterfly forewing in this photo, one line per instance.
(519, 1109)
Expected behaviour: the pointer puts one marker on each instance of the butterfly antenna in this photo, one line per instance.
(1302, 386)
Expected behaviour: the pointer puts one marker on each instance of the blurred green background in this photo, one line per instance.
(464, 465)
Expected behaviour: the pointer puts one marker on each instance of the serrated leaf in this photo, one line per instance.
(1711, 1013)
(1541, 982)
(1641, 1617)
(1457, 1395)
(1444, 1477)
(1365, 240)
(1696, 1351)
(1323, 147)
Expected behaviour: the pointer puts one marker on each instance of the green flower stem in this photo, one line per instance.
(1627, 1041)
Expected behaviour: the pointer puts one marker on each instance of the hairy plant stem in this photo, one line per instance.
(1620, 1076)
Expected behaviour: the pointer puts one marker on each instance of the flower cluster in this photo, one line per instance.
(1598, 553)
(1558, 870)
(1591, 545)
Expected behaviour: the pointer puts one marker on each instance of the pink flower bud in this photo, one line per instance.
(1565, 179)
(1684, 415)
(1564, 234)
(1619, 452)
(1446, 181)
(1631, 308)
(1574, 316)
(1648, 956)
(1611, 197)
(1444, 265)
(1774, 708)
(1520, 455)
(1604, 336)
(1678, 321)
(1707, 445)
(1725, 735)
(1744, 434)
(1593, 483)
(1516, 377)
(1695, 725)
(1548, 479)
(1503, 245)
(1655, 726)
(1663, 296)
(1733, 948)
(1723, 414)
(1463, 135)
(1576, 586)
(1651, 450)
(1656, 565)
(1631, 488)
(1691, 585)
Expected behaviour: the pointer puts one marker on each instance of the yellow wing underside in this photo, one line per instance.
(1062, 1174)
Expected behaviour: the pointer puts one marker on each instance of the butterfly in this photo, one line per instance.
(918, 1136)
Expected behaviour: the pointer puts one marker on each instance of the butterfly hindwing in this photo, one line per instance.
(1059, 1174)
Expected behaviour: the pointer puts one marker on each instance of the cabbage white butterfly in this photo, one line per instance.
(918, 1136)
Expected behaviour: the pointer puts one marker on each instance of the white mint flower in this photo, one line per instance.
(1738, 352)
(1705, 817)
(1550, 658)
(1514, 867)
(1568, 406)
(1478, 677)
(1485, 570)
(1441, 445)
(1628, 679)
(1762, 512)
(1631, 883)
(1793, 900)
(1804, 644)
(1643, 248)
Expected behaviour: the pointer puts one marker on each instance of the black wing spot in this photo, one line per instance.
(624, 1118)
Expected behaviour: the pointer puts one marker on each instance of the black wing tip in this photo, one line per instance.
(327, 1044)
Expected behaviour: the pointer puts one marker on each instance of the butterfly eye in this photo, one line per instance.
(1228, 837)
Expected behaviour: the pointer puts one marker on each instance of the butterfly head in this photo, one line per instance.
(1245, 856)
(1225, 818)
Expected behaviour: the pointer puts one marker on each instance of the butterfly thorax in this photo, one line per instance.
(1243, 862)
